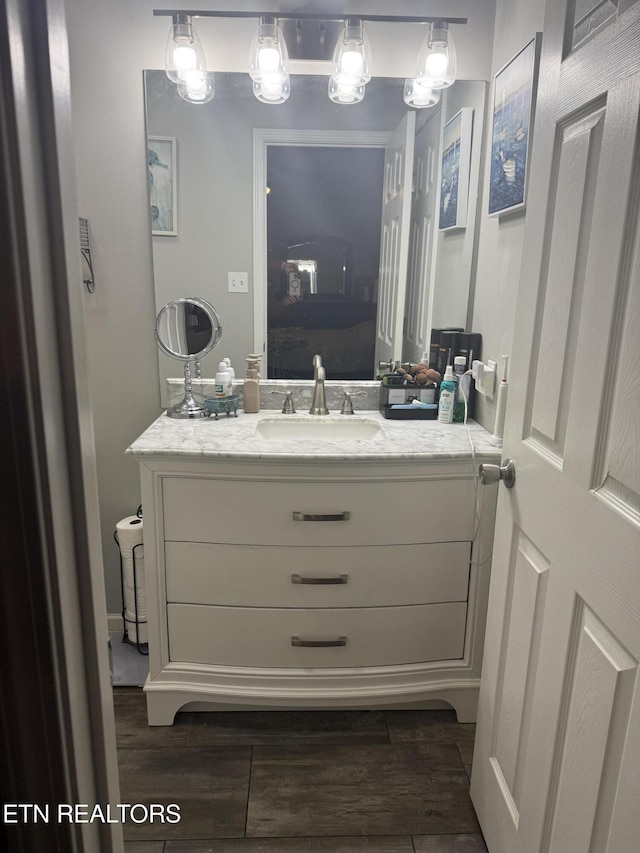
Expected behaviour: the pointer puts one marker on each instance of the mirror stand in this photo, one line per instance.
(188, 329)
(188, 407)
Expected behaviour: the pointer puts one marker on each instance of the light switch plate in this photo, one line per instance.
(238, 282)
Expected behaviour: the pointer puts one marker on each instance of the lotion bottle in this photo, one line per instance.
(447, 399)
(251, 387)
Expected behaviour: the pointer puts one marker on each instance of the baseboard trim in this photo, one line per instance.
(114, 622)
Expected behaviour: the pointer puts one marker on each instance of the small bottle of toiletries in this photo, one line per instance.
(447, 399)
(459, 369)
(227, 361)
(223, 381)
(251, 387)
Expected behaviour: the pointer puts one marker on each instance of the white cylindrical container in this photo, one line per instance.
(227, 361)
(129, 535)
(501, 408)
(501, 405)
(223, 381)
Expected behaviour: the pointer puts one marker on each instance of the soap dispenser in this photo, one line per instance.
(251, 387)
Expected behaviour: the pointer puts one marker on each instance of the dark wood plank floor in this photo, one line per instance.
(299, 781)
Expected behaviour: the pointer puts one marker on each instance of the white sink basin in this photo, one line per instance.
(319, 428)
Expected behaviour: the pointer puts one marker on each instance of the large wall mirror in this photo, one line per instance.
(293, 195)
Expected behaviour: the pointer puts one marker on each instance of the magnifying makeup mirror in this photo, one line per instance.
(188, 329)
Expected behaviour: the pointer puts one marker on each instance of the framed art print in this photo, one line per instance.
(161, 162)
(455, 165)
(513, 104)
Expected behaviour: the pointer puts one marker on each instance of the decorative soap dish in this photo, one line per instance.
(221, 405)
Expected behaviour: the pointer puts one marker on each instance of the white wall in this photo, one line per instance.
(111, 42)
(501, 239)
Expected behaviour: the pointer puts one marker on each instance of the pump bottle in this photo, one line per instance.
(251, 387)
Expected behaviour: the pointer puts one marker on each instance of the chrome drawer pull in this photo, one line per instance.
(318, 644)
(301, 579)
(309, 516)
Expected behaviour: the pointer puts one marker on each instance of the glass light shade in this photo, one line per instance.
(343, 93)
(268, 56)
(437, 64)
(183, 53)
(352, 56)
(272, 89)
(418, 96)
(199, 87)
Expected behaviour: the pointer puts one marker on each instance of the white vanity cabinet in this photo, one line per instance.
(283, 583)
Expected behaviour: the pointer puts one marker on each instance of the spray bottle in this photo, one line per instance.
(447, 399)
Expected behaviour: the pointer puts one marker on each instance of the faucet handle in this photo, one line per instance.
(288, 407)
(347, 405)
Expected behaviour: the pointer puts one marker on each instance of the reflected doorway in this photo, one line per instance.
(323, 244)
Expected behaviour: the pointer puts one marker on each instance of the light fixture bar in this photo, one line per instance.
(313, 16)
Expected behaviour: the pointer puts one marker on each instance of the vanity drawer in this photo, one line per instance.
(346, 513)
(276, 576)
(370, 636)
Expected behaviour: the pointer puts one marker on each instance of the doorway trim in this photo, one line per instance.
(262, 138)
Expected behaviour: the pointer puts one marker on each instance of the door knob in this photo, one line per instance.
(494, 473)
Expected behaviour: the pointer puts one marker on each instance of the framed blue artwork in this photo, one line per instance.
(161, 163)
(514, 92)
(455, 165)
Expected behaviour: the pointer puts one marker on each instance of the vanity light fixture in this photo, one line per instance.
(199, 87)
(419, 96)
(345, 93)
(268, 58)
(437, 64)
(311, 36)
(352, 56)
(183, 53)
(185, 63)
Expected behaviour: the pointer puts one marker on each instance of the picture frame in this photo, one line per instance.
(161, 163)
(514, 95)
(455, 166)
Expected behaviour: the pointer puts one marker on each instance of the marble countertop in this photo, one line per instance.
(234, 438)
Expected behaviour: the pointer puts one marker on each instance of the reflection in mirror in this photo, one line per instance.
(322, 293)
(225, 213)
(188, 329)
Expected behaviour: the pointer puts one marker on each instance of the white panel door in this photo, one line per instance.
(421, 244)
(394, 240)
(557, 760)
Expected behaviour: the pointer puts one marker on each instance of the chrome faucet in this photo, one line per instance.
(319, 402)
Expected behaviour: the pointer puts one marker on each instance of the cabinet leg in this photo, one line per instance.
(463, 702)
(162, 708)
